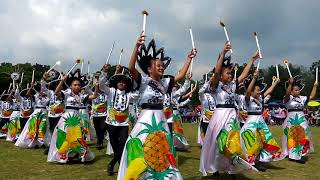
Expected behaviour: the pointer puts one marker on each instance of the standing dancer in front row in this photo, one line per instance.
(149, 150)
(67, 141)
(296, 138)
(256, 139)
(221, 150)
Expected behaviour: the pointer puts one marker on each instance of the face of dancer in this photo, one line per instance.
(75, 86)
(121, 85)
(295, 91)
(226, 75)
(256, 92)
(156, 68)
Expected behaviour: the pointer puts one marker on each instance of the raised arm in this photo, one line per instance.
(103, 81)
(218, 67)
(30, 90)
(251, 85)
(132, 64)
(246, 70)
(288, 91)
(183, 71)
(96, 92)
(271, 88)
(58, 90)
(184, 88)
(314, 91)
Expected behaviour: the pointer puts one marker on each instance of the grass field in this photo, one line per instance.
(16, 163)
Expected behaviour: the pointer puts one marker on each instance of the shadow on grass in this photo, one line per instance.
(182, 159)
(221, 177)
(270, 166)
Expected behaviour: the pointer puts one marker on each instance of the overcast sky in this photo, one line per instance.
(45, 31)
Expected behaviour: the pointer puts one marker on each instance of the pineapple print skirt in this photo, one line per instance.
(68, 140)
(35, 131)
(257, 141)
(296, 138)
(149, 152)
(221, 150)
(14, 128)
(179, 140)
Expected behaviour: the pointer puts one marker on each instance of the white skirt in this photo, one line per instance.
(14, 128)
(221, 150)
(258, 142)
(149, 152)
(68, 140)
(35, 131)
(296, 138)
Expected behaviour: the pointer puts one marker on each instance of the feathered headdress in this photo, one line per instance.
(259, 82)
(297, 81)
(147, 54)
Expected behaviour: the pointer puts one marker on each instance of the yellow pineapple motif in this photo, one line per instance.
(73, 134)
(156, 149)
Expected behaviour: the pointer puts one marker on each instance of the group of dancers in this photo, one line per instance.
(140, 113)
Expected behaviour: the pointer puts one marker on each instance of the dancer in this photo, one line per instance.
(221, 150)
(99, 113)
(172, 115)
(118, 120)
(179, 140)
(256, 139)
(67, 141)
(56, 105)
(149, 150)
(8, 109)
(208, 103)
(296, 138)
(34, 132)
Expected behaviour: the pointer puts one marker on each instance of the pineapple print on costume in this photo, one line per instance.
(10, 115)
(221, 149)
(151, 136)
(35, 130)
(296, 139)
(256, 139)
(68, 140)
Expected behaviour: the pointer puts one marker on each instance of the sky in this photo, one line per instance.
(44, 31)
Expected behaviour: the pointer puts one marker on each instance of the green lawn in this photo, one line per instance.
(16, 163)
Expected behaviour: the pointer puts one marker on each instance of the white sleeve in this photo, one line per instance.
(203, 88)
(267, 98)
(17, 95)
(184, 103)
(182, 90)
(103, 84)
(134, 96)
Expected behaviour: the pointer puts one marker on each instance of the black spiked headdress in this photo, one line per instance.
(147, 54)
(259, 82)
(76, 75)
(297, 81)
(124, 76)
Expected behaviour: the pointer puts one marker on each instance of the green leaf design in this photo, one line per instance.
(222, 139)
(61, 137)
